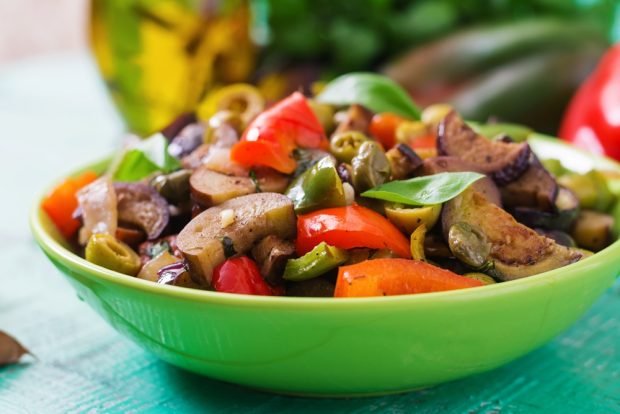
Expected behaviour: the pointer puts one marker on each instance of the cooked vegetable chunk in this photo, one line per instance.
(141, 205)
(516, 250)
(271, 255)
(593, 230)
(535, 188)
(211, 188)
(386, 277)
(357, 118)
(591, 189)
(319, 260)
(370, 167)
(104, 250)
(256, 216)
(403, 161)
(240, 275)
(319, 187)
(503, 161)
(562, 216)
(97, 203)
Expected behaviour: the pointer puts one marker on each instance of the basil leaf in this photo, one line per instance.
(376, 92)
(144, 158)
(427, 190)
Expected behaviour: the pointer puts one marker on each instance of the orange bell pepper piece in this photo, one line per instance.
(62, 202)
(386, 277)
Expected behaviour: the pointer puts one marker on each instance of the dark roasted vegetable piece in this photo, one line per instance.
(558, 236)
(535, 188)
(141, 205)
(317, 287)
(318, 187)
(271, 254)
(195, 159)
(357, 118)
(403, 161)
(562, 216)
(370, 167)
(255, 217)
(484, 186)
(516, 250)
(503, 161)
(174, 187)
(186, 141)
(130, 236)
(211, 188)
(593, 230)
(178, 124)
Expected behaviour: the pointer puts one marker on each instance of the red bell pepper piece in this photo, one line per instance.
(385, 277)
(383, 127)
(592, 121)
(349, 227)
(62, 202)
(271, 137)
(240, 275)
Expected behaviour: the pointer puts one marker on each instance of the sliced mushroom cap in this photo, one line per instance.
(485, 186)
(516, 250)
(141, 205)
(271, 254)
(205, 243)
(535, 188)
(210, 188)
(503, 161)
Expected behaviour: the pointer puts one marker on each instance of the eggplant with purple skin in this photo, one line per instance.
(357, 118)
(564, 212)
(503, 161)
(536, 188)
(271, 255)
(403, 161)
(140, 205)
(516, 251)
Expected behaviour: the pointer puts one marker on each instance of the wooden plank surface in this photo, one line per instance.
(53, 117)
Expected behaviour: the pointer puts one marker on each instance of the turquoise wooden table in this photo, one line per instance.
(54, 116)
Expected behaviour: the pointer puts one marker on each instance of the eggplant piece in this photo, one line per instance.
(485, 186)
(593, 230)
(535, 188)
(141, 206)
(357, 118)
(210, 188)
(187, 140)
(558, 236)
(271, 254)
(565, 211)
(196, 157)
(203, 241)
(178, 124)
(403, 161)
(516, 250)
(503, 161)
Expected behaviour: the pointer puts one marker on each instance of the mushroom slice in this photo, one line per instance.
(515, 250)
(210, 188)
(205, 243)
(141, 205)
(503, 161)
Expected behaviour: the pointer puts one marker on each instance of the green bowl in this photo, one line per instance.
(342, 347)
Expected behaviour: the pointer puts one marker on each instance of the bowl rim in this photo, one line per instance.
(58, 252)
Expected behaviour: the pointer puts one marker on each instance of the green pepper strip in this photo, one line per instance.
(316, 262)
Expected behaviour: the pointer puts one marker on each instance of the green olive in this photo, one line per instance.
(345, 145)
(105, 250)
(173, 187)
(486, 279)
(408, 218)
(410, 130)
(416, 243)
(370, 167)
(469, 244)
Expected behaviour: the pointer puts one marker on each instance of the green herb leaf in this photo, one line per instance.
(376, 92)
(144, 158)
(427, 190)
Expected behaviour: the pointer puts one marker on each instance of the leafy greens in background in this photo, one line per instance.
(428, 190)
(376, 92)
(143, 158)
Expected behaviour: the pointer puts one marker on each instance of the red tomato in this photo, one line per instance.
(592, 121)
(383, 128)
(240, 275)
(349, 227)
(271, 137)
(424, 142)
(385, 277)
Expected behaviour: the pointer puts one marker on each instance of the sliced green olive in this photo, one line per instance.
(242, 98)
(417, 243)
(410, 218)
(486, 279)
(469, 245)
(105, 250)
(345, 145)
(370, 167)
